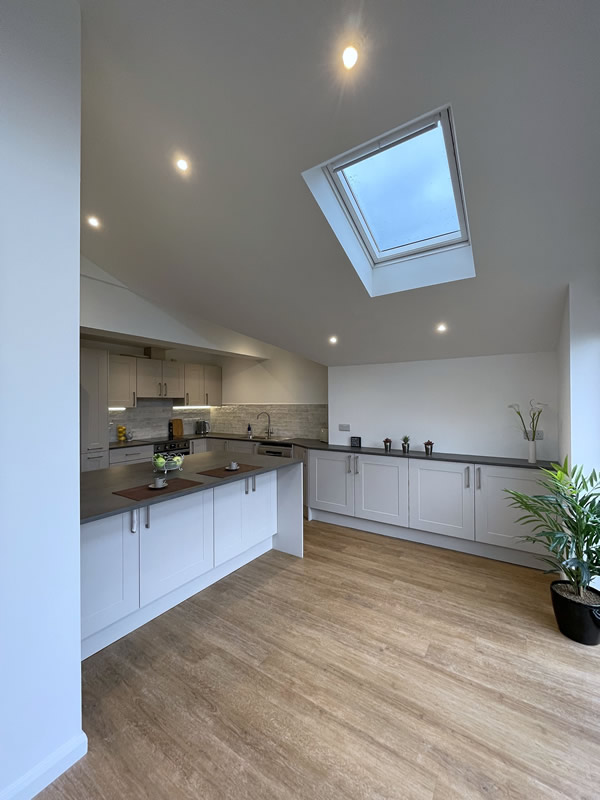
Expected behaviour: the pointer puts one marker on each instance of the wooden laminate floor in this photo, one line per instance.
(374, 668)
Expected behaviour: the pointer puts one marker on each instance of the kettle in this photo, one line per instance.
(202, 426)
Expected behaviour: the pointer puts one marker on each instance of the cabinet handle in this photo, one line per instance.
(467, 477)
(95, 448)
(147, 516)
(478, 477)
(166, 393)
(349, 470)
(134, 401)
(246, 485)
(254, 483)
(91, 458)
(356, 465)
(207, 398)
(160, 389)
(187, 398)
(133, 527)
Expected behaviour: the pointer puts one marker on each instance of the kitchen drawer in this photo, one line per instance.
(93, 461)
(131, 455)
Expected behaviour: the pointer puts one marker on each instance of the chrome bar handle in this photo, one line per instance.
(349, 470)
(134, 400)
(160, 389)
(187, 398)
(147, 516)
(467, 477)
(478, 477)
(206, 398)
(133, 526)
(247, 485)
(165, 389)
(356, 465)
(254, 483)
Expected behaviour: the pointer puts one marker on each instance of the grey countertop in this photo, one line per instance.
(97, 487)
(316, 444)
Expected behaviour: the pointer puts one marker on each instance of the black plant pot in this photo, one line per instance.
(405, 447)
(576, 620)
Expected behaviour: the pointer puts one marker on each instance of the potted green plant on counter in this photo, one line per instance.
(566, 522)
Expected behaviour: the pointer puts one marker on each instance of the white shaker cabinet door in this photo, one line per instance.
(109, 571)
(495, 521)
(442, 497)
(149, 377)
(240, 446)
(216, 445)
(176, 543)
(213, 385)
(228, 513)
(259, 519)
(331, 478)
(194, 385)
(173, 375)
(381, 488)
(199, 446)
(93, 393)
(122, 381)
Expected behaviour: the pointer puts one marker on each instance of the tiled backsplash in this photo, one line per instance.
(150, 419)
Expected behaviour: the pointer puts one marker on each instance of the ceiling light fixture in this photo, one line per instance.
(182, 164)
(441, 327)
(333, 340)
(350, 56)
(93, 221)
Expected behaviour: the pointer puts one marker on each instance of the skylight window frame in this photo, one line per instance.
(334, 173)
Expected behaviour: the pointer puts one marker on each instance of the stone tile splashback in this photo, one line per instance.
(150, 419)
(287, 420)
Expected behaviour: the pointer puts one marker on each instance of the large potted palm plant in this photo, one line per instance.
(566, 521)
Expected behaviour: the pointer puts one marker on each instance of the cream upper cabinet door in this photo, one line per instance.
(122, 381)
(109, 570)
(149, 377)
(93, 394)
(194, 385)
(442, 497)
(495, 521)
(173, 378)
(331, 477)
(212, 386)
(381, 488)
(176, 543)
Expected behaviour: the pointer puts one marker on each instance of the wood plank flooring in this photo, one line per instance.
(374, 668)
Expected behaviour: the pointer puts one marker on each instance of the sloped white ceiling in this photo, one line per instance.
(253, 93)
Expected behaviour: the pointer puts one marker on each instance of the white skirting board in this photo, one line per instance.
(519, 557)
(47, 770)
(122, 627)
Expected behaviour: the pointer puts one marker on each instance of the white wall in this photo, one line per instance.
(461, 403)
(564, 385)
(40, 685)
(584, 323)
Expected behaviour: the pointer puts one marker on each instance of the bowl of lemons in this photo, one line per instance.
(165, 462)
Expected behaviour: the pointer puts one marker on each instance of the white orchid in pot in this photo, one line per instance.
(534, 413)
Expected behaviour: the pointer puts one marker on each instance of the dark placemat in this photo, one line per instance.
(221, 472)
(144, 493)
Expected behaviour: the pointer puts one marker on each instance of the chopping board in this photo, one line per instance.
(177, 428)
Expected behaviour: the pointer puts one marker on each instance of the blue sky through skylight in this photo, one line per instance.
(405, 193)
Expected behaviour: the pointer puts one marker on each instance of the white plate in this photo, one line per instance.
(152, 486)
(232, 469)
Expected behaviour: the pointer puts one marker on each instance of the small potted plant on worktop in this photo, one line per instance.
(387, 444)
(535, 412)
(566, 522)
(405, 444)
(428, 445)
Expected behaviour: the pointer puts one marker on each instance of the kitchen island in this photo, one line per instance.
(141, 557)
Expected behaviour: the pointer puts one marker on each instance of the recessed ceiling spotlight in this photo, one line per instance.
(93, 221)
(333, 340)
(182, 164)
(350, 56)
(441, 327)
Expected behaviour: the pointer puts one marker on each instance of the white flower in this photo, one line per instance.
(515, 406)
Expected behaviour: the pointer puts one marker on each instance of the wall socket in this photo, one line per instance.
(343, 426)
(538, 435)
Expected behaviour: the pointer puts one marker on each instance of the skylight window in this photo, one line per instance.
(397, 198)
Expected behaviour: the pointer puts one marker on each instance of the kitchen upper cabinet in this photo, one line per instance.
(213, 385)
(442, 497)
(149, 377)
(495, 520)
(93, 400)
(194, 394)
(331, 478)
(173, 378)
(381, 489)
(245, 513)
(109, 570)
(122, 381)
(176, 544)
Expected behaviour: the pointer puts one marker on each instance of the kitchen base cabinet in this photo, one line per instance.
(441, 498)
(176, 544)
(199, 446)
(245, 513)
(239, 446)
(131, 455)
(381, 489)
(331, 479)
(495, 520)
(216, 445)
(92, 461)
(109, 571)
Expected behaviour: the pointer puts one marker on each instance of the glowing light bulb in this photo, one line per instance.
(333, 340)
(350, 56)
(182, 164)
(441, 328)
(94, 222)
